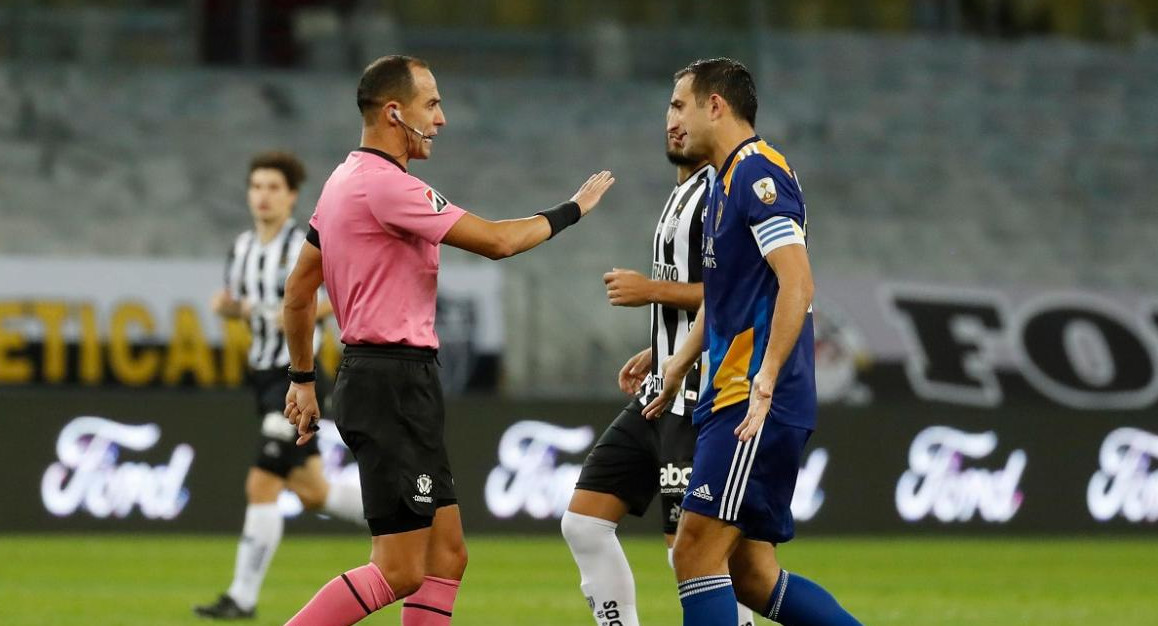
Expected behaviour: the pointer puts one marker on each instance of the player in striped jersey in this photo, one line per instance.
(619, 476)
(258, 265)
(757, 405)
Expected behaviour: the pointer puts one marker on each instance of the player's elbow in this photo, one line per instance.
(297, 297)
(799, 286)
(501, 246)
(807, 288)
(294, 302)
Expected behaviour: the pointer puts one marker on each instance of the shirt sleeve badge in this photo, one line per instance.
(437, 201)
(765, 190)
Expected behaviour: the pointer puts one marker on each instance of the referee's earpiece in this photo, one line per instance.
(398, 118)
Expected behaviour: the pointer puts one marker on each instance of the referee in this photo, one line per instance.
(374, 240)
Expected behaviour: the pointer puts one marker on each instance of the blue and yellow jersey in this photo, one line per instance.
(756, 205)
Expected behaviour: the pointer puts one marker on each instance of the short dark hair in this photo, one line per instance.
(387, 78)
(285, 162)
(728, 78)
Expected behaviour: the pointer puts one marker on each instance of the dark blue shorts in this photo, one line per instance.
(747, 484)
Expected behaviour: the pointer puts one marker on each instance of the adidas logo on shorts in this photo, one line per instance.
(703, 493)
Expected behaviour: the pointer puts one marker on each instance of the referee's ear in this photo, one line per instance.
(391, 113)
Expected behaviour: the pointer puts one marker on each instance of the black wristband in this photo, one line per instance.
(561, 216)
(300, 377)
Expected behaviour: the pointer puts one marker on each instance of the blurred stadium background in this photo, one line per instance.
(981, 176)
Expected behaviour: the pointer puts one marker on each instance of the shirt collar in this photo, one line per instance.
(727, 164)
(377, 152)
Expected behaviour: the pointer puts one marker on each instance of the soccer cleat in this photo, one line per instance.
(224, 608)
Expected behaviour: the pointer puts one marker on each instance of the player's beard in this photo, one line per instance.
(677, 158)
(691, 152)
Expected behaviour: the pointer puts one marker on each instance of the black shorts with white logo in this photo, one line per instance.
(388, 407)
(277, 449)
(626, 458)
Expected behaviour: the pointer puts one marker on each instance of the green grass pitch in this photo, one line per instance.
(114, 580)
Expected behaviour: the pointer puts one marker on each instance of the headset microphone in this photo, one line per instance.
(398, 118)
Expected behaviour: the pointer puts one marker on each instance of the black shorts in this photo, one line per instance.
(387, 405)
(635, 458)
(277, 449)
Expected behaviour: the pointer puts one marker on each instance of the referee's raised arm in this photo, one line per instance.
(499, 240)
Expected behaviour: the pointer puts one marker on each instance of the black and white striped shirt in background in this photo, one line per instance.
(256, 273)
(677, 256)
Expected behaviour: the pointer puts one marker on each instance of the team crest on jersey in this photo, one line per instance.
(670, 227)
(436, 200)
(765, 189)
(719, 212)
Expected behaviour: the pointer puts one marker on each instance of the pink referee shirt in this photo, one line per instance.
(380, 229)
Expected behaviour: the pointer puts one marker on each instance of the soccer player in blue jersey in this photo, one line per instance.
(757, 402)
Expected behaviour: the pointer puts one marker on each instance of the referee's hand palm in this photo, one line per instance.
(591, 191)
(301, 409)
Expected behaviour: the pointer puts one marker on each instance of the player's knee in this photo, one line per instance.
(313, 498)
(687, 554)
(584, 533)
(682, 560)
(570, 527)
(749, 592)
(754, 570)
(262, 487)
(312, 501)
(404, 578)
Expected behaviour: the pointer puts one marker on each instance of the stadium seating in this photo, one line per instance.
(942, 160)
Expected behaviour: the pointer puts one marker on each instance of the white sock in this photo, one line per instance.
(259, 539)
(746, 618)
(604, 574)
(344, 501)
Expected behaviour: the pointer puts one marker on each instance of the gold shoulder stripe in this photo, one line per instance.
(728, 175)
(772, 155)
(740, 156)
(760, 147)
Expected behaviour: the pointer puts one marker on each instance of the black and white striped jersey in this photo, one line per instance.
(677, 256)
(256, 273)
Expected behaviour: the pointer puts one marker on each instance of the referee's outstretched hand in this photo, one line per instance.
(591, 191)
(301, 409)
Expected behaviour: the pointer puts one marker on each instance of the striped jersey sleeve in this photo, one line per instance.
(235, 265)
(773, 201)
(775, 232)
